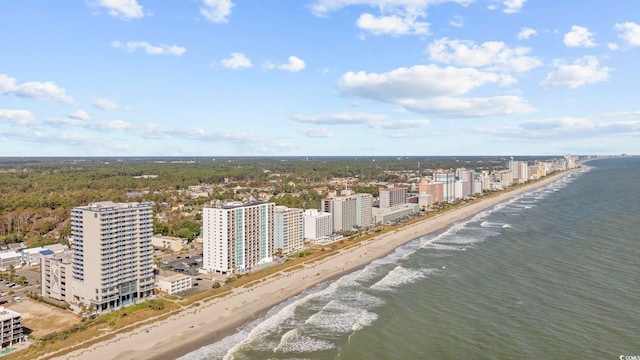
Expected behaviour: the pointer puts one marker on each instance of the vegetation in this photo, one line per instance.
(38, 193)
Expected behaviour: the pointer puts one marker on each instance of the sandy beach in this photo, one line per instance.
(215, 319)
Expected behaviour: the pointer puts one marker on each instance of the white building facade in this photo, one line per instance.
(11, 322)
(317, 225)
(174, 284)
(237, 236)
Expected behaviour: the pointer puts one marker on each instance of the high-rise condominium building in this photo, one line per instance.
(448, 185)
(519, 171)
(112, 253)
(390, 197)
(317, 224)
(289, 229)
(237, 236)
(349, 211)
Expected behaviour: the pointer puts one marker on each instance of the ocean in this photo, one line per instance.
(551, 274)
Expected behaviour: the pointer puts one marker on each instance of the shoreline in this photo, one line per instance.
(214, 320)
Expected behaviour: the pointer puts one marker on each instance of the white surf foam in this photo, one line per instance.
(339, 318)
(293, 341)
(400, 276)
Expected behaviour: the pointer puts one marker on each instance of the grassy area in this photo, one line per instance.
(93, 331)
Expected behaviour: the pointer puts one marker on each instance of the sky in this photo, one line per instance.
(319, 77)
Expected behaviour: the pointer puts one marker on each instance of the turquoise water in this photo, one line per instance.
(551, 274)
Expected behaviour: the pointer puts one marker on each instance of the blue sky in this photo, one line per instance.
(318, 77)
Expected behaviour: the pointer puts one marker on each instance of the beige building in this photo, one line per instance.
(391, 197)
(174, 284)
(112, 253)
(167, 242)
(349, 211)
(288, 229)
(11, 327)
(55, 276)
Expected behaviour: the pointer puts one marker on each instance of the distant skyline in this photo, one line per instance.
(318, 77)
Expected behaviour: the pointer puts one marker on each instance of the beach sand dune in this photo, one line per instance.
(213, 320)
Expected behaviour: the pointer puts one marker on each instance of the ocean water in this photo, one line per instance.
(551, 274)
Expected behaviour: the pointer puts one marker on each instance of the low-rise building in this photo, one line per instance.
(31, 256)
(167, 242)
(10, 260)
(174, 284)
(383, 216)
(11, 327)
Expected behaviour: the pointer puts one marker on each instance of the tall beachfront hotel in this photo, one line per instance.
(112, 253)
(237, 236)
(349, 210)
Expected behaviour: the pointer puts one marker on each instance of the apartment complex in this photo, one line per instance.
(349, 211)
(519, 171)
(112, 262)
(390, 197)
(289, 229)
(448, 185)
(237, 236)
(317, 224)
(56, 276)
(11, 327)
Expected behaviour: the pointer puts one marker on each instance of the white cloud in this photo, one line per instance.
(236, 61)
(432, 90)
(33, 89)
(61, 122)
(586, 70)
(125, 9)
(630, 32)
(113, 125)
(457, 21)
(420, 81)
(295, 64)
(446, 106)
(613, 46)
(81, 118)
(79, 115)
(396, 17)
(494, 55)
(217, 11)
(376, 121)
(317, 133)
(161, 49)
(323, 7)
(579, 37)
(106, 104)
(392, 25)
(513, 6)
(17, 117)
(565, 128)
(508, 6)
(526, 33)
(402, 124)
(348, 118)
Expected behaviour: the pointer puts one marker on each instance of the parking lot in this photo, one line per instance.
(185, 264)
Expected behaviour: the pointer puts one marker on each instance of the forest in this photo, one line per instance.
(38, 193)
